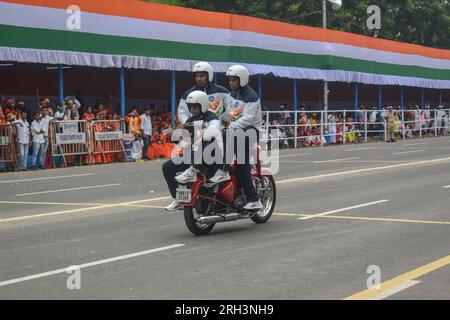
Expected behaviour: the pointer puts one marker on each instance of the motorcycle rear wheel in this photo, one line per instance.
(193, 226)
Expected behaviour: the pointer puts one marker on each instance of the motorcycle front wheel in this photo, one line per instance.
(196, 228)
(268, 195)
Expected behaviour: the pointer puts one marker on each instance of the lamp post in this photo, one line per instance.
(336, 5)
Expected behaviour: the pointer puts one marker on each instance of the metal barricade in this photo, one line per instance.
(8, 146)
(107, 139)
(70, 140)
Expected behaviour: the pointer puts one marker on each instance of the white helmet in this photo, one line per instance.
(241, 72)
(204, 67)
(198, 97)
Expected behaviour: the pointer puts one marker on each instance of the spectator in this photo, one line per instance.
(155, 151)
(23, 138)
(9, 106)
(88, 115)
(351, 130)
(73, 105)
(20, 107)
(79, 99)
(45, 119)
(284, 114)
(373, 118)
(332, 120)
(146, 126)
(37, 130)
(133, 121)
(136, 147)
(74, 115)
(108, 104)
(60, 114)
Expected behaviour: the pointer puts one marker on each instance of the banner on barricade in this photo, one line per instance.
(108, 136)
(70, 138)
(5, 141)
(70, 127)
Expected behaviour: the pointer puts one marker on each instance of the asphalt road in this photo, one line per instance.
(346, 216)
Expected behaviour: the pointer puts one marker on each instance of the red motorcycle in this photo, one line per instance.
(206, 204)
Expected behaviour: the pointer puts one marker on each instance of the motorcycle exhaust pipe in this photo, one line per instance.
(216, 219)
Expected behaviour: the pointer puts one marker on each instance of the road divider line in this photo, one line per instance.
(405, 152)
(343, 209)
(446, 187)
(34, 216)
(47, 178)
(344, 173)
(70, 189)
(336, 160)
(395, 290)
(364, 218)
(87, 265)
(87, 204)
(295, 155)
(414, 144)
(347, 161)
(76, 204)
(386, 286)
(359, 149)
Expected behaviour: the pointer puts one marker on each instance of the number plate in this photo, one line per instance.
(183, 195)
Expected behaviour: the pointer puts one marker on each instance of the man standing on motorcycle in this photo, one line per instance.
(244, 113)
(197, 103)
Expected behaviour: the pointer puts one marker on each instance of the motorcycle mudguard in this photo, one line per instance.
(266, 172)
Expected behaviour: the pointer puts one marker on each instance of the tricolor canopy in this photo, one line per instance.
(142, 35)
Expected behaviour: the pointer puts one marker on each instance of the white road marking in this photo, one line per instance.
(47, 178)
(295, 155)
(446, 187)
(71, 189)
(87, 265)
(414, 144)
(413, 151)
(343, 209)
(342, 173)
(34, 216)
(358, 149)
(336, 160)
(395, 290)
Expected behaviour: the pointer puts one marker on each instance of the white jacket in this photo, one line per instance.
(244, 109)
(217, 96)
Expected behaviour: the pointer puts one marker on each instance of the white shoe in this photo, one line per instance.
(174, 206)
(220, 176)
(190, 175)
(253, 205)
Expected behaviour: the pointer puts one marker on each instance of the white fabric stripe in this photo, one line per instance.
(110, 61)
(55, 19)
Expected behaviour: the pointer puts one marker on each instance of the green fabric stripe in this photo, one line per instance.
(20, 37)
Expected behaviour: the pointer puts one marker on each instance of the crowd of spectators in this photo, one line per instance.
(144, 125)
(315, 129)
